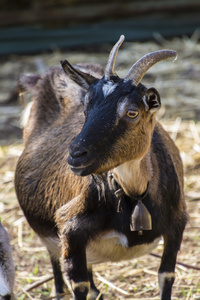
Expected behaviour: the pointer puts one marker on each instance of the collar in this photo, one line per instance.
(140, 216)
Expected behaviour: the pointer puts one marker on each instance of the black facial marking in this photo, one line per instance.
(100, 132)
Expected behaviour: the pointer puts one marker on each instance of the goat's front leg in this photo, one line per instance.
(75, 266)
(166, 274)
(74, 231)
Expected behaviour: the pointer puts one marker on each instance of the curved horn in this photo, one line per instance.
(109, 70)
(139, 69)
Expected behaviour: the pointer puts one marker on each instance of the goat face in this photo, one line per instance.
(118, 126)
(119, 114)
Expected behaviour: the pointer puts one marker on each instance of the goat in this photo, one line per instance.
(129, 188)
(7, 269)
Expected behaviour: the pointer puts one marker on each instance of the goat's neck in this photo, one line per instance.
(133, 176)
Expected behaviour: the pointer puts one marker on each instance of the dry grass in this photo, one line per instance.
(137, 279)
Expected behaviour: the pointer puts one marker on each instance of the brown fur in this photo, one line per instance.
(47, 179)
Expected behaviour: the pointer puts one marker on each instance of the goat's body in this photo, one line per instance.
(44, 178)
(87, 209)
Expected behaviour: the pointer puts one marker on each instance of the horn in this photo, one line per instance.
(139, 69)
(109, 69)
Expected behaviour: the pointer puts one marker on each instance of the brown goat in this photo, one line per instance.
(7, 269)
(129, 191)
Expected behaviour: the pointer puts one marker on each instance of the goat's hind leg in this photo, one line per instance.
(52, 245)
(58, 278)
(94, 292)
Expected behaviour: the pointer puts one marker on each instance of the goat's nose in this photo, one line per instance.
(77, 150)
(78, 153)
(78, 156)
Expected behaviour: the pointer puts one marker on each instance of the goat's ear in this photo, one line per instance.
(152, 100)
(81, 78)
(27, 82)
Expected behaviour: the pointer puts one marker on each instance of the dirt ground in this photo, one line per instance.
(178, 85)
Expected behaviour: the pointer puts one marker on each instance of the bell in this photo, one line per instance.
(140, 218)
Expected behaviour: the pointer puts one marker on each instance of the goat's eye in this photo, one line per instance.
(132, 113)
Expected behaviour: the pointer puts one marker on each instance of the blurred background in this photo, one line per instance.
(35, 35)
(29, 26)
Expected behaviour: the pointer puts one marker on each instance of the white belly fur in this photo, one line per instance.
(113, 246)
